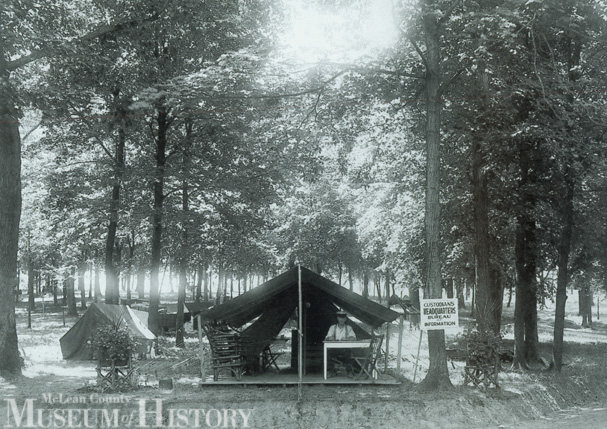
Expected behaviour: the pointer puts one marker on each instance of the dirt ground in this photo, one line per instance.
(58, 393)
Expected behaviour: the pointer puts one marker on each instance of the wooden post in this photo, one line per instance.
(421, 334)
(203, 374)
(387, 346)
(400, 341)
(387, 325)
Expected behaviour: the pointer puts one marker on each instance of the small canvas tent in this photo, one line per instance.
(74, 344)
(270, 305)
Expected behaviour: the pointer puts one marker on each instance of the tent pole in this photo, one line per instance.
(387, 346)
(300, 330)
(400, 342)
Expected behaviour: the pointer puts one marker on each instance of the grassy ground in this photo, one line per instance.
(523, 395)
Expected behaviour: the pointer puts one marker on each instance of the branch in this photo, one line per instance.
(379, 70)
(151, 127)
(449, 11)
(419, 51)
(313, 109)
(96, 136)
(452, 79)
(172, 191)
(289, 94)
(31, 131)
(539, 77)
(99, 32)
(106, 150)
(174, 151)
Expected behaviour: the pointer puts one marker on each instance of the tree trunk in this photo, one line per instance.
(205, 281)
(350, 280)
(525, 255)
(55, 297)
(180, 306)
(183, 260)
(438, 374)
(157, 219)
(220, 295)
(586, 304)
(10, 214)
(520, 359)
(97, 285)
(209, 285)
(198, 290)
(562, 277)
(71, 297)
(459, 287)
(118, 270)
(111, 275)
(449, 287)
(473, 303)
(496, 296)
(30, 284)
(129, 272)
(480, 195)
(81, 287)
(90, 269)
(589, 307)
(140, 283)
(231, 284)
(414, 297)
(365, 284)
(574, 46)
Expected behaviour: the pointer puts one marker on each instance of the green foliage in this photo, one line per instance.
(112, 342)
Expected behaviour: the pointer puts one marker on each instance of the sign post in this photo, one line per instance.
(436, 314)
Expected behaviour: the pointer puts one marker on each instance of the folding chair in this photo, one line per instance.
(268, 358)
(368, 362)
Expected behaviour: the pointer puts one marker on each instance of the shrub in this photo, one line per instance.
(112, 342)
(483, 346)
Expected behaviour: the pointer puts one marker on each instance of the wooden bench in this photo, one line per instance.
(482, 374)
(226, 351)
(113, 376)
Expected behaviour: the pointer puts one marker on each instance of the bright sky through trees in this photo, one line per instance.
(335, 33)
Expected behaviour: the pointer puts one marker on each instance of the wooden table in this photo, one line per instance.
(358, 344)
